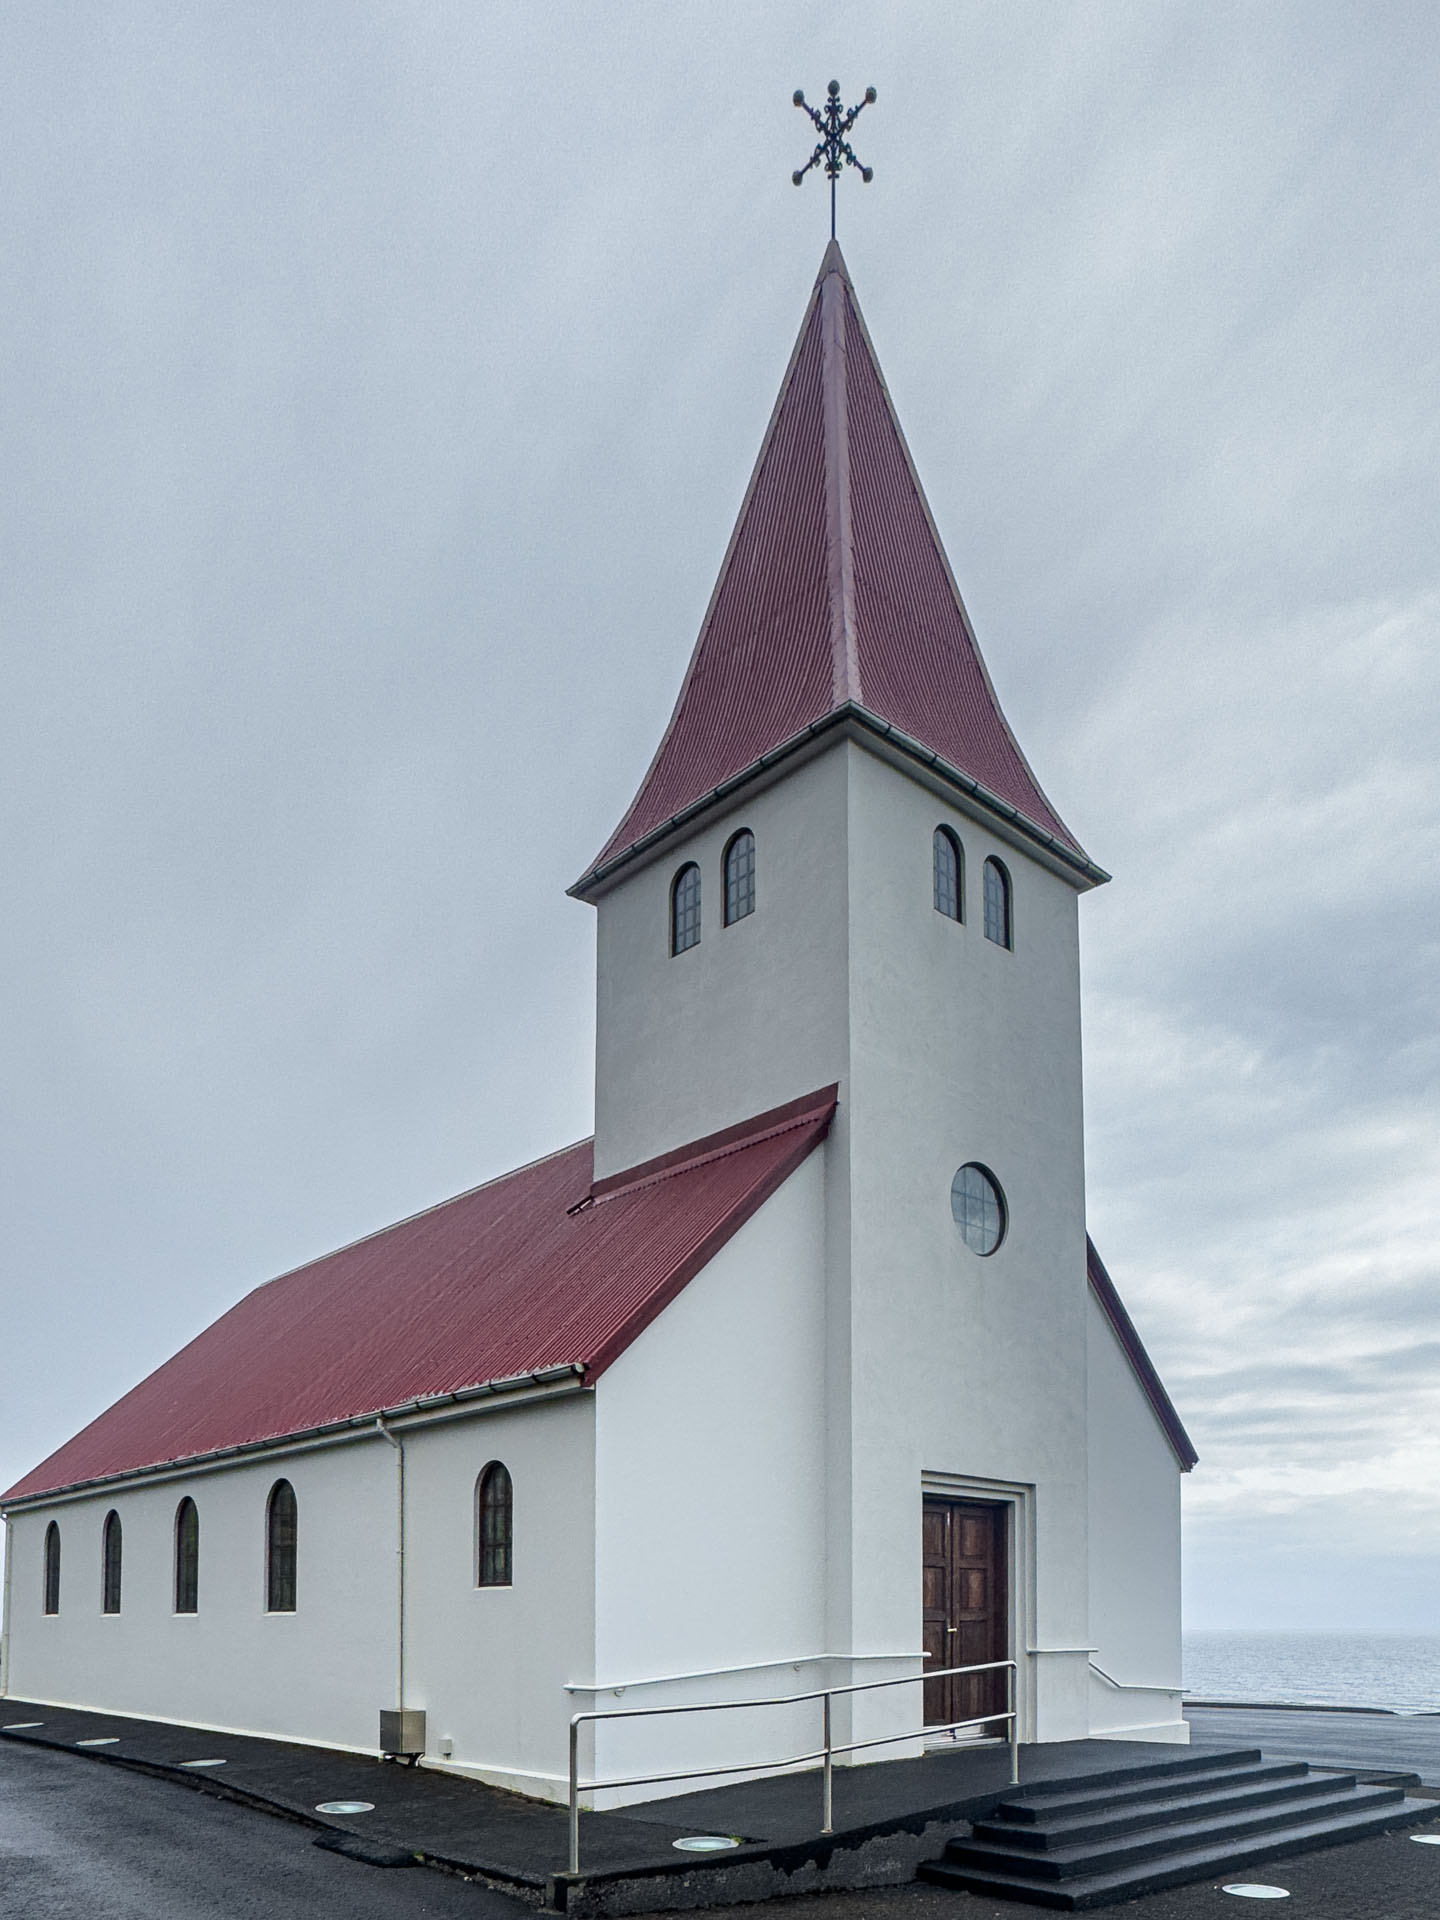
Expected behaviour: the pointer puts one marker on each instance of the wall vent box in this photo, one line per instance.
(402, 1731)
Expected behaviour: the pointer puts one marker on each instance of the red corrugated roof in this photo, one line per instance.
(537, 1270)
(835, 595)
(1151, 1385)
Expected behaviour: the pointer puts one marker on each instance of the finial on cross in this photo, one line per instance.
(834, 122)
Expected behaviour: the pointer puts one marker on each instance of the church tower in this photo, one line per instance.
(840, 869)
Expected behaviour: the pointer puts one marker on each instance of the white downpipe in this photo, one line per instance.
(399, 1445)
(5, 1611)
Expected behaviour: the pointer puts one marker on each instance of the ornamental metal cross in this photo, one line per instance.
(834, 122)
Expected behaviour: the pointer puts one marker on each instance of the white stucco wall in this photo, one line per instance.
(488, 1665)
(709, 1490)
(231, 1664)
(756, 1013)
(940, 1368)
(968, 1372)
(1134, 1500)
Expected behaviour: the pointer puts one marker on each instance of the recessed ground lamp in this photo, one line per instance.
(1253, 1890)
(706, 1843)
(346, 1806)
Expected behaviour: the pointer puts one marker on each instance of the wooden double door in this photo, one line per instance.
(967, 1607)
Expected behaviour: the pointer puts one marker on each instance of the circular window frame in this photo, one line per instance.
(959, 1216)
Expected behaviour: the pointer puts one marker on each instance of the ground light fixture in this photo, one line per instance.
(706, 1843)
(346, 1806)
(1254, 1890)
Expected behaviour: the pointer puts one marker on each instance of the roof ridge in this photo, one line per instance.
(705, 1159)
(715, 1146)
(839, 544)
(438, 1206)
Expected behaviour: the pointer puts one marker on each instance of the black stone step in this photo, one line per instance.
(1088, 1856)
(1279, 1786)
(1106, 1886)
(1042, 1795)
(1038, 1804)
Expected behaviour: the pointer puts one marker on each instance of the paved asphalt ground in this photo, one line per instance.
(86, 1841)
(82, 1840)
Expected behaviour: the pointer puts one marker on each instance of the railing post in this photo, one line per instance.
(1012, 1675)
(574, 1796)
(828, 1826)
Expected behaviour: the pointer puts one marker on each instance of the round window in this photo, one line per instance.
(979, 1208)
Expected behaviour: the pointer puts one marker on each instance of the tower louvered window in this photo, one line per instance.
(495, 1526)
(187, 1557)
(52, 1568)
(739, 877)
(685, 909)
(949, 875)
(110, 1558)
(282, 1533)
(997, 905)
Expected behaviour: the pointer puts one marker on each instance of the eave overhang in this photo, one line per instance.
(524, 1388)
(851, 722)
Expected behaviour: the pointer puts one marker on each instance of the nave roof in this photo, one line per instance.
(542, 1271)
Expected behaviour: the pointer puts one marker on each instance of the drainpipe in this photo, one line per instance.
(399, 1446)
(5, 1608)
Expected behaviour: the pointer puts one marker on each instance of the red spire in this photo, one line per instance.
(835, 600)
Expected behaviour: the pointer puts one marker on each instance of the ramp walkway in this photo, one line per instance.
(890, 1817)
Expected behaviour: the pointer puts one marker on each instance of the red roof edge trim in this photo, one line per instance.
(744, 1133)
(851, 715)
(806, 1140)
(1113, 1307)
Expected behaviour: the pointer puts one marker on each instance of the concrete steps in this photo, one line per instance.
(1093, 1845)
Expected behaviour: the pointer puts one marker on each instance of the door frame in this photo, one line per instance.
(1020, 1579)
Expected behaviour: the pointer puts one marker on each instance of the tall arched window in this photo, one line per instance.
(739, 877)
(110, 1553)
(494, 1526)
(187, 1557)
(997, 905)
(949, 875)
(52, 1568)
(685, 909)
(281, 1520)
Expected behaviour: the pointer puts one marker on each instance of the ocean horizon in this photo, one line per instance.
(1396, 1671)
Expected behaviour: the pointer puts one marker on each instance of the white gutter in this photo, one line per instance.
(399, 1446)
(529, 1389)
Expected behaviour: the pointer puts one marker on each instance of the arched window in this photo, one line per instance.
(997, 905)
(187, 1557)
(949, 875)
(52, 1568)
(685, 909)
(110, 1551)
(739, 877)
(281, 1519)
(494, 1526)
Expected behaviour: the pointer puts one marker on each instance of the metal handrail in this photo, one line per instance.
(824, 1753)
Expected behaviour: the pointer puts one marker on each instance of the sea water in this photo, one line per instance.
(1400, 1671)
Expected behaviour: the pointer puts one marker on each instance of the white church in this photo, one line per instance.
(802, 1372)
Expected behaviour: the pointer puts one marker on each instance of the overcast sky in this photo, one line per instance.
(380, 383)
